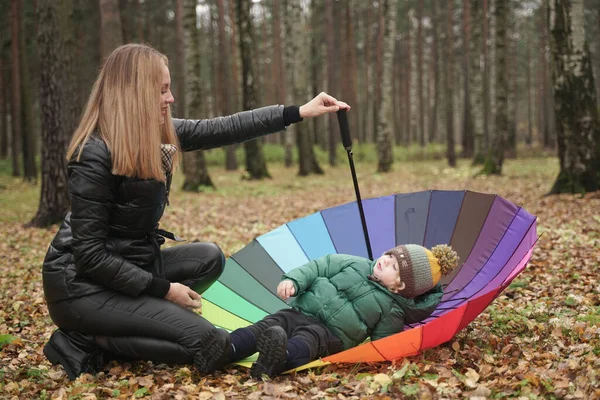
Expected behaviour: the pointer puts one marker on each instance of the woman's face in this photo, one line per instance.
(166, 97)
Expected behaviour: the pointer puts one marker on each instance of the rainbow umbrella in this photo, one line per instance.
(493, 237)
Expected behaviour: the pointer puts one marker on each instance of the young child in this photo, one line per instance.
(340, 301)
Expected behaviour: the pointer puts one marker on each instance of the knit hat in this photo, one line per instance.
(421, 269)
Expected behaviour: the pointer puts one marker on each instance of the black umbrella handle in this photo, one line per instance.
(344, 129)
(347, 142)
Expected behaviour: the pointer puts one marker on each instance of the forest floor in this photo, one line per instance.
(539, 339)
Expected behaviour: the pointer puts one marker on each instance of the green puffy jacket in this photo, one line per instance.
(336, 290)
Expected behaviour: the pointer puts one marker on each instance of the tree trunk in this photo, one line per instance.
(3, 112)
(450, 151)
(235, 71)
(110, 26)
(278, 77)
(16, 121)
(495, 155)
(256, 167)
(351, 70)
(468, 142)
(476, 79)
(376, 103)
(194, 163)
(433, 125)
(57, 105)
(578, 127)
(367, 98)
(420, 68)
(486, 84)
(408, 131)
(224, 92)
(28, 125)
(316, 64)
(179, 68)
(529, 137)
(385, 144)
(331, 78)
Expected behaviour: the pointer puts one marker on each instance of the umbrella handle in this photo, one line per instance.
(347, 142)
(344, 129)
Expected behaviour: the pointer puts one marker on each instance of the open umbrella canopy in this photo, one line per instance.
(493, 237)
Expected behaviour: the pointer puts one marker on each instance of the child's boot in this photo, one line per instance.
(271, 346)
(214, 351)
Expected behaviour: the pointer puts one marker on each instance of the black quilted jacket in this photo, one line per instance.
(109, 239)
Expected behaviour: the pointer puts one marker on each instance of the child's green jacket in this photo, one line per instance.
(336, 290)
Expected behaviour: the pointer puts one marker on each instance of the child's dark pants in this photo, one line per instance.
(320, 340)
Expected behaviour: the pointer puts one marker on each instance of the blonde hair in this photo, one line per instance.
(124, 108)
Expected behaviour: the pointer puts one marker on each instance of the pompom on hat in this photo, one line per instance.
(421, 269)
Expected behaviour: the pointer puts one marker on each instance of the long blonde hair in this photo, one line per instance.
(124, 108)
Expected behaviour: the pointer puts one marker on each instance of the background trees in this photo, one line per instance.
(480, 79)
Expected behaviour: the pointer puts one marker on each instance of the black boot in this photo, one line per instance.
(77, 353)
(271, 346)
(214, 351)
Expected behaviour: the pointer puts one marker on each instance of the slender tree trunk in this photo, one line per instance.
(110, 26)
(215, 60)
(278, 61)
(510, 150)
(350, 95)
(331, 78)
(28, 125)
(495, 155)
(16, 121)
(235, 58)
(126, 16)
(578, 127)
(231, 163)
(479, 157)
(288, 59)
(3, 112)
(408, 83)
(476, 79)
(420, 68)
(296, 60)
(194, 163)
(180, 64)
(450, 151)
(529, 137)
(385, 144)
(367, 98)
(57, 104)
(376, 104)
(316, 65)
(436, 73)
(256, 167)
(468, 140)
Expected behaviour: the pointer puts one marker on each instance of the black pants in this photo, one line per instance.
(320, 340)
(147, 328)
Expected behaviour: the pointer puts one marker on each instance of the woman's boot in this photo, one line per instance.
(77, 353)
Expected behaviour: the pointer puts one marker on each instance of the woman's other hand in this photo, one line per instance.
(183, 296)
(322, 104)
(285, 289)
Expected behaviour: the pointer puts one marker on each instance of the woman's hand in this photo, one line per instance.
(285, 289)
(322, 104)
(183, 296)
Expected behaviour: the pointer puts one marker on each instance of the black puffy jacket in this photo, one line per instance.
(109, 239)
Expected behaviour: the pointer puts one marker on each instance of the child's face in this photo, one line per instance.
(387, 271)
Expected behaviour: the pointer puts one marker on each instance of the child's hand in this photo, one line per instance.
(285, 289)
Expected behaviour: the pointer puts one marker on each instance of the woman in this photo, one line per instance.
(110, 289)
